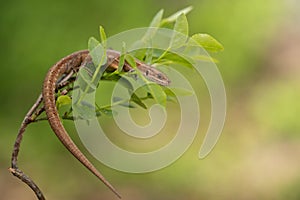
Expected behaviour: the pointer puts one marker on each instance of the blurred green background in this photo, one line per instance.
(258, 154)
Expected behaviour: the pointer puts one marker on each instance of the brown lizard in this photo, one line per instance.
(73, 62)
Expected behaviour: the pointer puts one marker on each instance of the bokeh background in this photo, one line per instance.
(258, 154)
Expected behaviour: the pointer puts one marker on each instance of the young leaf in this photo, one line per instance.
(208, 42)
(149, 55)
(173, 17)
(175, 91)
(157, 19)
(138, 101)
(181, 29)
(153, 27)
(98, 55)
(122, 58)
(157, 93)
(92, 43)
(85, 82)
(63, 100)
(170, 58)
(130, 60)
(102, 36)
(181, 25)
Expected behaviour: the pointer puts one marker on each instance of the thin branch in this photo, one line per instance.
(31, 116)
(27, 120)
(14, 166)
(26, 179)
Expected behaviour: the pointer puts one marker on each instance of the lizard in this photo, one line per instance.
(74, 62)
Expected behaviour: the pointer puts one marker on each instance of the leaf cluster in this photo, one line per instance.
(150, 90)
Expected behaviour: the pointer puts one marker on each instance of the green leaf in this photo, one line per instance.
(63, 100)
(173, 17)
(63, 104)
(85, 82)
(170, 58)
(157, 19)
(138, 101)
(181, 29)
(92, 43)
(157, 93)
(122, 58)
(181, 25)
(149, 55)
(155, 23)
(121, 62)
(208, 42)
(98, 55)
(102, 36)
(174, 92)
(131, 61)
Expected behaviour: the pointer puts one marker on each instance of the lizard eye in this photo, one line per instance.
(147, 73)
(159, 76)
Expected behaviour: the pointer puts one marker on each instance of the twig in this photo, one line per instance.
(31, 116)
(14, 166)
(26, 179)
